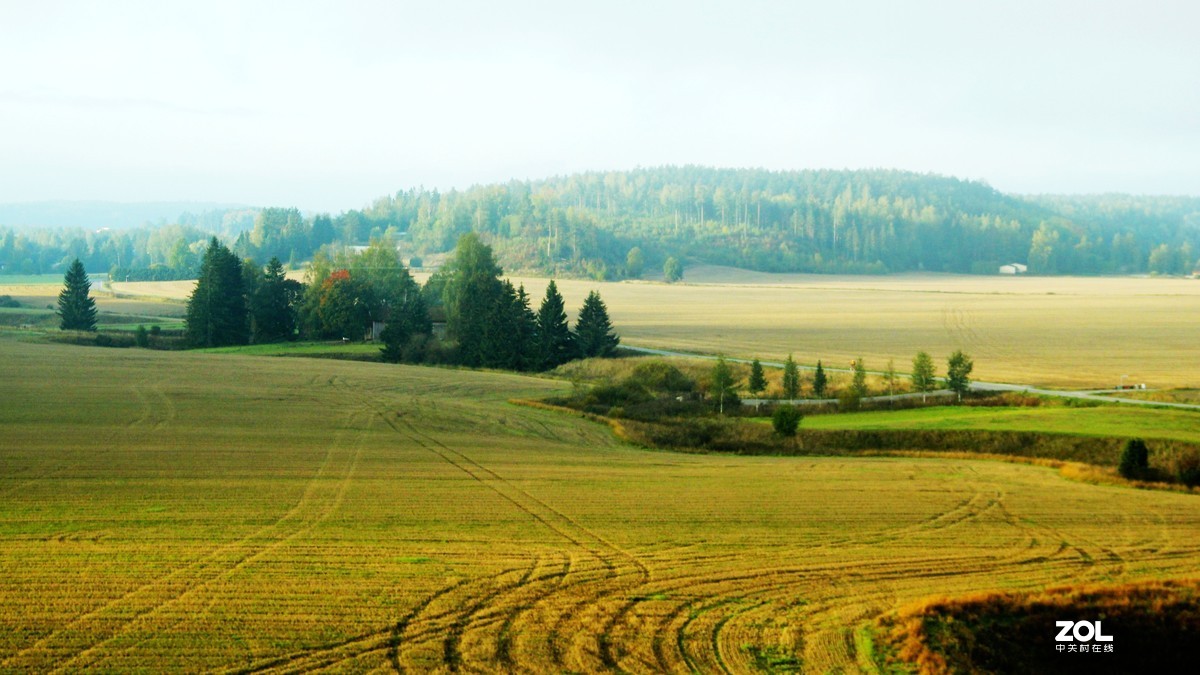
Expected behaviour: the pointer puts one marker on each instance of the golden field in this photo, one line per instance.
(1062, 332)
(183, 511)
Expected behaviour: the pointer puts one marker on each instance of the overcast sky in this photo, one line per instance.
(327, 105)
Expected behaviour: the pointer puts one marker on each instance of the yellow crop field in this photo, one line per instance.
(1064, 332)
(181, 511)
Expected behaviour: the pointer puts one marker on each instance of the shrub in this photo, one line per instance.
(8, 301)
(1186, 467)
(849, 401)
(786, 420)
(141, 337)
(1135, 459)
(660, 376)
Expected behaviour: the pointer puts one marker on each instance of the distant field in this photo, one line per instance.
(164, 511)
(1043, 331)
(1123, 421)
(7, 280)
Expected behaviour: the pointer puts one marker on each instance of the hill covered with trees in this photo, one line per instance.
(622, 224)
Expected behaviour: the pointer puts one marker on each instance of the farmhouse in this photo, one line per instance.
(1013, 268)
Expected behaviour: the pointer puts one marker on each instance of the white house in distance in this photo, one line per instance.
(1013, 268)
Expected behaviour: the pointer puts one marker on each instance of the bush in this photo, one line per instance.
(1135, 459)
(786, 420)
(849, 401)
(1186, 467)
(141, 337)
(659, 376)
(9, 302)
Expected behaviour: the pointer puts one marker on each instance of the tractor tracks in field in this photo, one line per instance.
(566, 595)
(117, 621)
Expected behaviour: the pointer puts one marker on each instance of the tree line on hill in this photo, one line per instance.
(487, 321)
(620, 224)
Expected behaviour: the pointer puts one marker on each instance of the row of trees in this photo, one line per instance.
(923, 377)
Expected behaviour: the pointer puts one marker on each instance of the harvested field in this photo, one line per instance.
(170, 511)
(1065, 332)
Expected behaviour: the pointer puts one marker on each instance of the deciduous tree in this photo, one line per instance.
(1135, 459)
(672, 270)
(958, 373)
(858, 384)
(723, 385)
(924, 377)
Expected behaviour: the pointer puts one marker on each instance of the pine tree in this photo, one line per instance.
(593, 331)
(554, 340)
(791, 379)
(76, 309)
(819, 381)
(216, 310)
(758, 381)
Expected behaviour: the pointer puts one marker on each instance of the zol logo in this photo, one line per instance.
(1083, 631)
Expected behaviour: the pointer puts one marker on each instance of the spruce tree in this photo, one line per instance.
(76, 309)
(593, 330)
(791, 379)
(819, 381)
(216, 310)
(510, 331)
(555, 344)
(471, 292)
(758, 381)
(271, 307)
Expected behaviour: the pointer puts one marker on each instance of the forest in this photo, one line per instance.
(626, 224)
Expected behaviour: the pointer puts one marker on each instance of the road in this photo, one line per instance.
(1090, 395)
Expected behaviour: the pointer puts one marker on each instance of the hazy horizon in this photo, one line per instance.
(328, 107)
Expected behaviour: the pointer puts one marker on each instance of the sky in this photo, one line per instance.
(328, 105)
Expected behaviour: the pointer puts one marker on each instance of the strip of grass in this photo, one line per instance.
(353, 350)
(1123, 422)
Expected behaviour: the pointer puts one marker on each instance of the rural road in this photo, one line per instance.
(1091, 395)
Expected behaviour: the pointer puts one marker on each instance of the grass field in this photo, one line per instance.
(185, 511)
(1044, 331)
(1123, 421)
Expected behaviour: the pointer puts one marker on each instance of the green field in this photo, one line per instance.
(184, 511)
(1122, 421)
